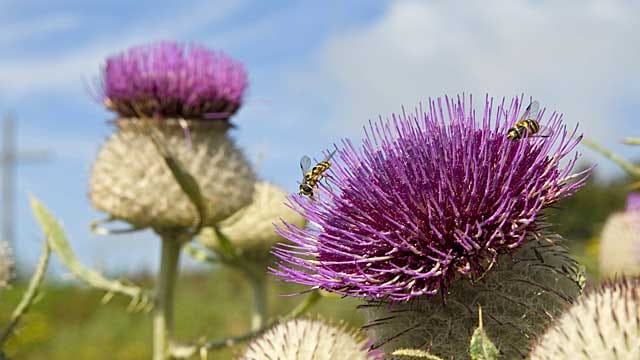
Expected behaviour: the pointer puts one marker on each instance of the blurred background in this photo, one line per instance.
(318, 72)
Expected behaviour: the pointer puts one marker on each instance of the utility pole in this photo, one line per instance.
(9, 159)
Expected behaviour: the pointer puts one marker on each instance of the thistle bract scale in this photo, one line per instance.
(430, 195)
(620, 241)
(604, 324)
(170, 79)
(251, 229)
(305, 339)
(131, 181)
(519, 299)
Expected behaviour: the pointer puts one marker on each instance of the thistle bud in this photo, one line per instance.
(620, 241)
(305, 339)
(7, 265)
(604, 324)
(251, 229)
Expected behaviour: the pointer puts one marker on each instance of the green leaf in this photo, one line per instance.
(481, 347)
(416, 353)
(57, 239)
(226, 246)
(54, 234)
(188, 184)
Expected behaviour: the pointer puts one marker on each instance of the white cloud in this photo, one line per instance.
(580, 57)
(43, 25)
(82, 64)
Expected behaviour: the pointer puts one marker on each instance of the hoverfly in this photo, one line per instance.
(311, 176)
(527, 126)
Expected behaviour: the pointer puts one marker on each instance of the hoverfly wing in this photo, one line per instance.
(544, 131)
(531, 112)
(305, 164)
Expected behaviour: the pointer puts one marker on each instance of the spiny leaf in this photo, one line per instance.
(481, 348)
(57, 239)
(416, 353)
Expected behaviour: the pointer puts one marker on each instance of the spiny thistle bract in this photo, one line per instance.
(306, 339)
(431, 195)
(177, 88)
(131, 182)
(172, 80)
(519, 298)
(620, 241)
(251, 229)
(604, 324)
(7, 265)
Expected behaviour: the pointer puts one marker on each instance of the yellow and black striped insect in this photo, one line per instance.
(311, 177)
(527, 126)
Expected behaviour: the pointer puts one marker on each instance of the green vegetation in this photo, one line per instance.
(581, 217)
(70, 321)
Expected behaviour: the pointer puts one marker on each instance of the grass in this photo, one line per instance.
(70, 322)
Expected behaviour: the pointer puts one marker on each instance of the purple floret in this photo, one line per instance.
(172, 80)
(633, 202)
(430, 196)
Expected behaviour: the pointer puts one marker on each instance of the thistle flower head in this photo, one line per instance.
(604, 324)
(430, 195)
(173, 80)
(306, 339)
(251, 228)
(620, 242)
(7, 265)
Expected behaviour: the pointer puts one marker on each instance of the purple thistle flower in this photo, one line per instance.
(425, 200)
(633, 202)
(169, 79)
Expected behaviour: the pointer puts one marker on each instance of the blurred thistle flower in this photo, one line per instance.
(169, 79)
(305, 339)
(7, 265)
(620, 241)
(430, 196)
(519, 298)
(633, 202)
(130, 179)
(251, 229)
(604, 324)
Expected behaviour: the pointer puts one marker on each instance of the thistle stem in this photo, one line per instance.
(632, 141)
(624, 164)
(260, 312)
(304, 306)
(163, 310)
(29, 296)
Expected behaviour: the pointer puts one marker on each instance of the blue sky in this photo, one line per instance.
(318, 71)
